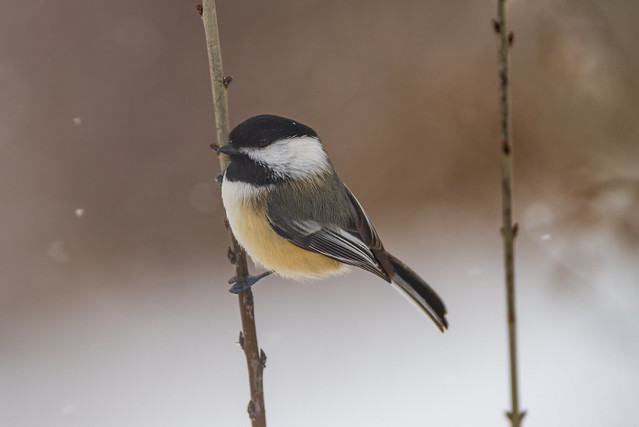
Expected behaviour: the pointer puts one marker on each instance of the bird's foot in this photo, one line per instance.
(245, 282)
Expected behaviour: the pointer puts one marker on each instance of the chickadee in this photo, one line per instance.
(290, 211)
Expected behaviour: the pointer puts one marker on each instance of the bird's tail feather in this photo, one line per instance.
(419, 291)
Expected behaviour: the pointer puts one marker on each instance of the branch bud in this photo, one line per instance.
(496, 26)
(240, 340)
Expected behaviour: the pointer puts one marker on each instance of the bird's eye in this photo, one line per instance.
(263, 142)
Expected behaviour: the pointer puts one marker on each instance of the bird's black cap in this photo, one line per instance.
(263, 130)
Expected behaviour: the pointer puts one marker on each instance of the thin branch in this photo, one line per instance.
(509, 231)
(255, 358)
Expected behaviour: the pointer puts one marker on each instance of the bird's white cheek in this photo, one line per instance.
(296, 158)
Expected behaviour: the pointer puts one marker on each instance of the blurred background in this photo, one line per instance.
(114, 308)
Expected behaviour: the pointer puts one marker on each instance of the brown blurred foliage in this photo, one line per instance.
(106, 107)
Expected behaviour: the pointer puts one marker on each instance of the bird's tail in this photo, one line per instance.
(419, 291)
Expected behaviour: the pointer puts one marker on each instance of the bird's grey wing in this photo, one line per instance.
(344, 244)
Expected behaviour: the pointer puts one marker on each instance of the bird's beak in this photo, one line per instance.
(228, 149)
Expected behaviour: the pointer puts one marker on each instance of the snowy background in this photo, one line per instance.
(114, 308)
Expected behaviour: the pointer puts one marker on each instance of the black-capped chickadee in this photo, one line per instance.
(290, 211)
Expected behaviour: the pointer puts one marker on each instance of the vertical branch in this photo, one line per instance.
(255, 359)
(509, 231)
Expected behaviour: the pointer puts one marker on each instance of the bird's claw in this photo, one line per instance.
(244, 283)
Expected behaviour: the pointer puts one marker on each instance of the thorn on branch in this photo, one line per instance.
(232, 256)
(226, 224)
(511, 39)
(262, 359)
(214, 146)
(240, 340)
(226, 81)
(506, 147)
(251, 410)
(514, 228)
(496, 26)
(520, 417)
(199, 8)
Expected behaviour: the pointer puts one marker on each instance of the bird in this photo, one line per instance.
(290, 211)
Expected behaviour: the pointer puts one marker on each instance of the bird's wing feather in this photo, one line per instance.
(354, 243)
(363, 227)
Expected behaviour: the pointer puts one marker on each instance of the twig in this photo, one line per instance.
(255, 358)
(509, 230)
